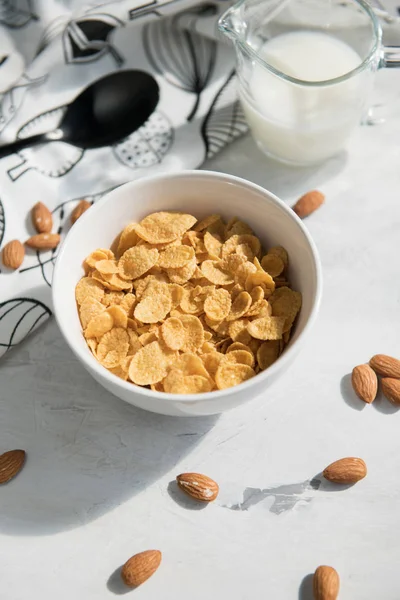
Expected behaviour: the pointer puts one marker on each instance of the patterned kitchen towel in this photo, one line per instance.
(65, 45)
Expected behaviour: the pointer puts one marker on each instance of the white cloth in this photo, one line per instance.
(66, 45)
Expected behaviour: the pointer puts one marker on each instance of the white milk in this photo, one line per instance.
(303, 124)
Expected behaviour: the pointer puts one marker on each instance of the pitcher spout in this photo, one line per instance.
(231, 23)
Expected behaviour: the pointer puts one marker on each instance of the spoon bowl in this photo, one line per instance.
(107, 111)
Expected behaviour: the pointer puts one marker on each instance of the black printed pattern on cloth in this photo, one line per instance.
(148, 145)
(18, 318)
(84, 39)
(54, 160)
(225, 120)
(12, 99)
(16, 13)
(2, 222)
(178, 52)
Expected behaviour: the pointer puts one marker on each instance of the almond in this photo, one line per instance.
(326, 583)
(198, 486)
(384, 365)
(11, 463)
(79, 210)
(391, 389)
(41, 218)
(140, 567)
(308, 203)
(346, 470)
(365, 383)
(13, 254)
(43, 241)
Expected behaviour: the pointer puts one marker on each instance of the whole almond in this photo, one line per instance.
(43, 241)
(198, 486)
(41, 218)
(13, 254)
(384, 365)
(140, 567)
(391, 389)
(346, 470)
(11, 463)
(79, 210)
(365, 383)
(308, 203)
(326, 583)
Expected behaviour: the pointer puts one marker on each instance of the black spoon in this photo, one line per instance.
(108, 110)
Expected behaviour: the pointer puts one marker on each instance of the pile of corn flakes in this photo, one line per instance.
(186, 307)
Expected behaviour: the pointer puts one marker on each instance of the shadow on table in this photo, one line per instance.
(306, 588)
(349, 395)
(87, 451)
(283, 180)
(383, 405)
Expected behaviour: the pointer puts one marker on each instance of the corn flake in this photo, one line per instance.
(164, 227)
(268, 353)
(153, 309)
(148, 365)
(194, 333)
(243, 271)
(182, 274)
(238, 331)
(286, 303)
(120, 318)
(173, 333)
(214, 272)
(213, 244)
(234, 241)
(127, 239)
(229, 374)
(88, 288)
(175, 257)
(106, 266)
(112, 282)
(122, 369)
(111, 298)
(220, 327)
(211, 361)
(89, 308)
(99, 325)
(273, 264)
(190, 364)
(113, 347)
(281, 252)
(128, 303)
(207, 222)
(134, 342)
(266, 328)
(238, 228)
(242, 357)
(136, 261)
(177, 383)
(259, 278)
(218, 305)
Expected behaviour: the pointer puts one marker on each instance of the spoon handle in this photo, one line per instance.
(8, 149)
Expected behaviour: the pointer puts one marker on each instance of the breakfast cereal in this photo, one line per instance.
(187, 307)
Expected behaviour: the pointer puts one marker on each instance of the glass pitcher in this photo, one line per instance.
(305, 71)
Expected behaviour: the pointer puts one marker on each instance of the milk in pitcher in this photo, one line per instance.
(303, 124)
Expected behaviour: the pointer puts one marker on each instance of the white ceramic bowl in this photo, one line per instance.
(200, 193)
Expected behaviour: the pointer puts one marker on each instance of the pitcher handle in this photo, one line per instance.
(391, 57)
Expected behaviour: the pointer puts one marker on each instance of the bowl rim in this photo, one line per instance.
(90, 361)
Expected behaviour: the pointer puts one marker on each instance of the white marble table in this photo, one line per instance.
(96, 488)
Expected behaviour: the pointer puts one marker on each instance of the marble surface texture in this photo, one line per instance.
(97, 484)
